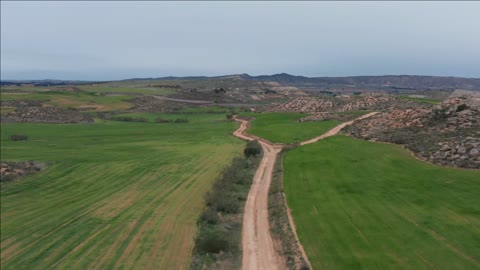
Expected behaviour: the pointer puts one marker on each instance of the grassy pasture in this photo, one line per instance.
(196, 118)
(117, 195)
(74, 99)
(209, 109)
(283, 128)
(6, 110)
(419, 99)
(365, 205)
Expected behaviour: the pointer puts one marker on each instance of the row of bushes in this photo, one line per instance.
(278, 218)
(18, 137)
(220, 225)
(178, 120)
(143, 119)
(129, 119)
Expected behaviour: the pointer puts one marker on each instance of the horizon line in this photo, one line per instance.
(234, 74)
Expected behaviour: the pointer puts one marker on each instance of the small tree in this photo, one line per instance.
(253, 148)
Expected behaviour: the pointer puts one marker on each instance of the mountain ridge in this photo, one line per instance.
(414, 82)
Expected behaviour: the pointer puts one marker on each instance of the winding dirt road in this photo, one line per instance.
(257, 244)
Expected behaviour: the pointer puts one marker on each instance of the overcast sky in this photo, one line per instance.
(118, 40)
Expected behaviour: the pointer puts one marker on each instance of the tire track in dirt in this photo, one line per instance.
(258, 249)
(257, 244)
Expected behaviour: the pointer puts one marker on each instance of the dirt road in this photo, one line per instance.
(257, 244)
(335, 130)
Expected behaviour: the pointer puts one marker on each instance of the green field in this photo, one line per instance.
(365, 205)
(283, 127)
(419, 99)
(116, 195)
(119, 88)
(198, 117)
(75, 100)
(209, 109)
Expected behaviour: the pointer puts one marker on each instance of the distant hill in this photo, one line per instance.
(400, 82)
(385, 83)
(46, 82)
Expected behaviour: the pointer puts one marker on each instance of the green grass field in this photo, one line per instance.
(421, 100)
(117, 195)
(209, 109)
(365, 205)
(283, 128)
(75, 100)
(191, 117)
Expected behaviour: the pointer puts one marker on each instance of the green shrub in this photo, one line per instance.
(210, 216)
(180, 120)
(213, 242)
(161, 120)
(253, 148)
(18, 137)
(227, 204)
(129, 119)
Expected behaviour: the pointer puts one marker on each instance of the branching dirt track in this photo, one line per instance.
(335, 130)
(257, 244)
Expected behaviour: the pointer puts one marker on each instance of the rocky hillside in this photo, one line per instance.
(36, 113)
(446, 134)
(342, 103)
(387, 82)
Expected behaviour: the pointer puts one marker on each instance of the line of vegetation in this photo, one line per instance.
(278, 218)
(420, 99)
(218, 243)
(145, 120)
(129, 119)
(178, 120)
(18, 137)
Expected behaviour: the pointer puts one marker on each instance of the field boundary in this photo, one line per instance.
(218, 238)
(412, 154)
(282, 226)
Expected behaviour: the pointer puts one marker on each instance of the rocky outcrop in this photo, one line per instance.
(328, 117)
(446, 134)
(9, 171)
(152, 104)
(343, 103)
(21, 103)
(464, 153)
(37, 114)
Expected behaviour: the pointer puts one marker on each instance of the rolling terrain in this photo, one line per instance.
(385, 82)
(129, 163)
